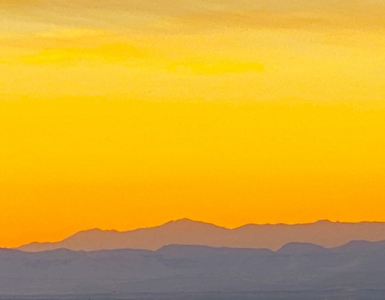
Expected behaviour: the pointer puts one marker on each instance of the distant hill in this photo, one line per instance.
(352, 271)
(186, 232)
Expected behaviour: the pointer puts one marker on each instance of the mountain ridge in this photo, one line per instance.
(188, 232)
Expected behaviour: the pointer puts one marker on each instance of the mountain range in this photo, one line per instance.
(186, 232)
(296, 271)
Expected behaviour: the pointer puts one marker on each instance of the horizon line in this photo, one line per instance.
(201, 222)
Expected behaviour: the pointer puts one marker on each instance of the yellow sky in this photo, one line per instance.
(124, 114)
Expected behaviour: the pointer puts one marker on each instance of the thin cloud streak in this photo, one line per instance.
(185, 16)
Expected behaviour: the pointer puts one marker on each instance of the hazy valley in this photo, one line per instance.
(296, 271)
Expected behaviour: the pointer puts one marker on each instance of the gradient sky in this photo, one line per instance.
(120, 114)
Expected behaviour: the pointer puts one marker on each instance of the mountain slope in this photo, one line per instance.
(196, 270)
(187, 232)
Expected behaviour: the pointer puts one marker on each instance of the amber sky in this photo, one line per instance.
(121, 114)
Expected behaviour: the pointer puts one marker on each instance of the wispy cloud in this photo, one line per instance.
(301, 44)
(69, 46)
(201, 67)
(182, 15)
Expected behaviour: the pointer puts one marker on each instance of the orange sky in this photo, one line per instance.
(127, 114)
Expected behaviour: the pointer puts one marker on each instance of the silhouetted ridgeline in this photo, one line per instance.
(352, 271)
(187, 232)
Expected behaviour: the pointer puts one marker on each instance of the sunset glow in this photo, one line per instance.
(127, 114)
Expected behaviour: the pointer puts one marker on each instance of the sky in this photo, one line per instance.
(118, 114)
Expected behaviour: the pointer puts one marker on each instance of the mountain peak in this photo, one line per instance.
(361, 245)
(300, 248)
(324, 222)
(188, 222)
(185, 220)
